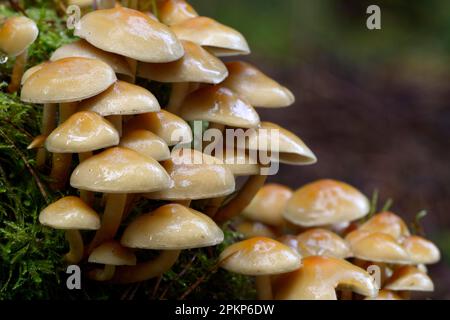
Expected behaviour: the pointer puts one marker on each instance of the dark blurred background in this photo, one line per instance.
(373, 105)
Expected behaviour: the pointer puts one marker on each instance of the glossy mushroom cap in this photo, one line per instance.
(171, 12)
(197, 65)
(385, 295)
(257, 88)
(112, 253)
(219, 105)
(218, 38)
(119, 170)
(27, 74)
(17, 34)
(146, 143)
(387, 222)
(409, 278)
(322, 242)
(326, 202)
(251, 229)
(130, 33)
(268, 205)
(319, 277)
(171, 128)
(68, 80)
(70, 213)
(172, 227)
(122, 98)
(259, 256)
(83, 132)
(421, 251)
(240, 162)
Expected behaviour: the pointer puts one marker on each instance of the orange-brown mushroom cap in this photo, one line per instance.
(421, 251)
(409, 278)
(17, 34)
(386, 222)
(112, 253)
(322, 242)
(171, 12)
(146, 143)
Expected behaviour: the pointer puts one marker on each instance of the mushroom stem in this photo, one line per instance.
(186, 203)
(17, 73)
(75, 240)
(241, 200)
(213, 206)
(116, 121)
(48, 125)
(147, 270)
(86, 196)
(105, 274)
(264, 287)
(177, 95)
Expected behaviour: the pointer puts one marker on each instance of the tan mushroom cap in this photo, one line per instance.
(172, 227)
(251, 229)
(421, 251)
(322, 242)
(387, 222)
(218, 38)
(385, 295)
(68, 80)
(112, 253)
(146, 143)
(259, 256)
(70, 213)
(130, 33)
(83, 132)
(119, 170)
(171, 12)
(409, 278)
(319, 277)
(17, 34)
(219, 105)
(195, 176)
(122, 98)
(171, 128)
(197, 65)
(81, 3)
(84, 49)
(240, 162)
(268, 205)
(256, 87)
(32, 70)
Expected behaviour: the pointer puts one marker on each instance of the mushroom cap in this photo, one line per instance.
(387, 222)
(251, 229)
(197, 65)
(268, 205)
(409, 278)
(256, 87)
(122, 98)
(38, 142)
(385, 295)
(84, 49)
(119, 170)
(68, 80)
(70, 213)
(195, 176)
(146, 143)
(326, 202)
(171, 128)
(32, 70)
(130, 33)
(259, 256)
(83, 132)
(220, 39)
(81, 3)
(172, 227)
(171, 12)
(421, 251)
(17, 34)
(319, 277)
(112, 253)
(322, 242)
(240, 162)
(219, 105)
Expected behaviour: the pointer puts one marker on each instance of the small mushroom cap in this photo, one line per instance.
(130, 33)
(219, 105)
(259, 256)
(252, 229)
(120, 170)
(409, 278)
(171, 128)
(171, 12)
(385, 295)
(195, 176)
(197, 65)
(257, 88)
(387, 222)
(240, 162)
(112, 253)
(82, 48)
(38, 142)
(70, 213)
(68, 80)
(319, 277)
(220, 39)
(122, 98)
(17, 34)
(322, 242)
(326, 202)
(268, 205)
(146, 143)
(83, 132)
(172, 227)
(421, 251)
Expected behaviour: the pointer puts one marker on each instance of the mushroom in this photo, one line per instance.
(385, 295)
(320, 277)
(322, 242)
(146, 143)
(251, 229)
(170, 228)
(260, 257)
(421, 251)
(409, 278)
(111, 254)
(171, 12)
(71, 214)
(16, 35)
(386, 222)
